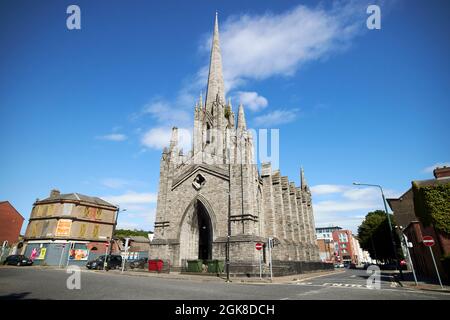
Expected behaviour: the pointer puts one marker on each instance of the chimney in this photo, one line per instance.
(54, 193)
(443, 172)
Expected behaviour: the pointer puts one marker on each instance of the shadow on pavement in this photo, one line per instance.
(16, 296)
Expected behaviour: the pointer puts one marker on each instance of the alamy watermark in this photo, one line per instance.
(73, 282)
(373, 281)
(374, 20)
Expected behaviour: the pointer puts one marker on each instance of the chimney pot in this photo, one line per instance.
(54, 193)
(443, 172)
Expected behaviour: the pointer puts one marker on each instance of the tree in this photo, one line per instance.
(124, 233)
(374, 236)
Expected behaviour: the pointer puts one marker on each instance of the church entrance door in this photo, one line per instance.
(196, 233)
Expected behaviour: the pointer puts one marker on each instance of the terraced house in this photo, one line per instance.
(64, 228)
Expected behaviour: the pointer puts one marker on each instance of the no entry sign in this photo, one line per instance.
(428, 241)
(258, 246)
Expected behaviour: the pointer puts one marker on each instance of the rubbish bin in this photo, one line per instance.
(194, 265)
(215, 266)
(212, 266)
(220, 266)
(155, 265)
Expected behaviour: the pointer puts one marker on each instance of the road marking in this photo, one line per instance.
(284, 299)
(353, 276)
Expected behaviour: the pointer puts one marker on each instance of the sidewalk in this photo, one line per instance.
(222, 277)
(427, 284)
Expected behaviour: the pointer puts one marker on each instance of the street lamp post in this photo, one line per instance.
(389, 222)
(227, 253)
(114, 230)
(405, 241)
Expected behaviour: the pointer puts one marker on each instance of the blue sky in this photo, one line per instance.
(88, 110)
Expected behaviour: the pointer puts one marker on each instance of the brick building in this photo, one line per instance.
(345, 250)
(406, 218)
(10, 224)
(67, 227)
(326, 243)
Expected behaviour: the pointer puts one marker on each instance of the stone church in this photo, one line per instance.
(218, 182)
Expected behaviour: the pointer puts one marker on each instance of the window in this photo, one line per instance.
(67, 208)
(95, 232)
(208, 133)
(82, 230)
(34, 211)
(50, 209)
(343, 237)
(33, 230)
(98, 213)
(86, 212)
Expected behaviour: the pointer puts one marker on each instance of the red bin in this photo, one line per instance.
(155, 265)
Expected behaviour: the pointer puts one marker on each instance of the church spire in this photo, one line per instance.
(215, 77)
(303, 183)
(241, 123)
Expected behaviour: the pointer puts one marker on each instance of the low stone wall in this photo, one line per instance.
(280, 268)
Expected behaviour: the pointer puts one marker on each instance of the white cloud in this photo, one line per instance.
(327, 189)
(113, 137)
(159, 137)
(262, 46)
(167, 113)
(344, 205)
(276, 117)
(251, 100)
(140, 209)
(117, 183)
(132, 198)
(434, 166)
(257, 47)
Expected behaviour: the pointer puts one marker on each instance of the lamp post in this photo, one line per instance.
(114, 230)
(405, 241)
(389, 222)
(227, 252)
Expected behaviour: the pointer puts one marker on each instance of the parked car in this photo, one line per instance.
(138, 264)
(113, 262)
(18, 260)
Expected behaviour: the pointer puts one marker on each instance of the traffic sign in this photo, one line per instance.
(428, 241)
(258, 246)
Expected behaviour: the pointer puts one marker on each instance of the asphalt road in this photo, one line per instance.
(39, 283)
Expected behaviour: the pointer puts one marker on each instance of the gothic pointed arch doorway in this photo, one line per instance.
(196, 233)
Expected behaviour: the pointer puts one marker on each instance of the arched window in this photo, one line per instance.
(208, 133)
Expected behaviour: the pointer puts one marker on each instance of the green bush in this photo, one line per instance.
(432, 205)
